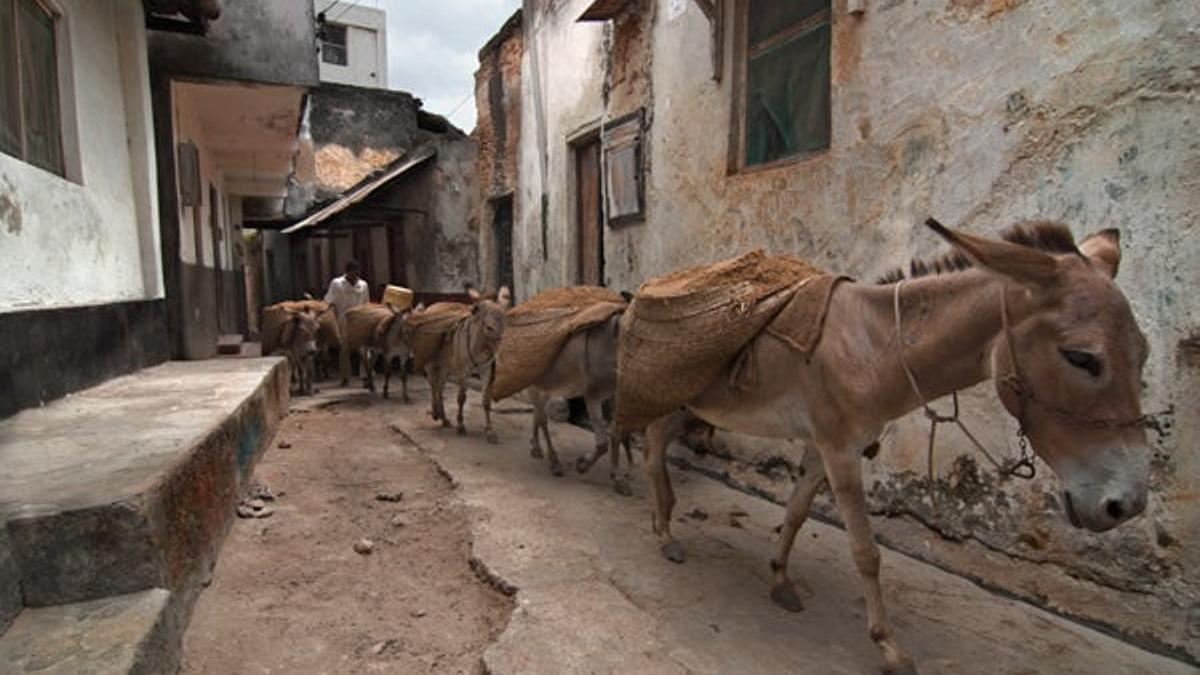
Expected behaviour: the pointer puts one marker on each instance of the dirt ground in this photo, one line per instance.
(290, 594)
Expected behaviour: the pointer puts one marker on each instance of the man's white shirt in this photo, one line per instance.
(343, 295)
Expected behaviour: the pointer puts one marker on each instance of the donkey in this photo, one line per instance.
(585, 366)
(469, 349)
(380, 331)
(293, 332)
(1034, 313)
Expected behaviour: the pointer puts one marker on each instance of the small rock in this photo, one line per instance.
(398, 521)
(284, 445)
(389, 496)
(418, 613)
(383, 646)
(260, 490)
(697, 513)
(256, 504)
(737, 512)
(364, 546)
(734, 522)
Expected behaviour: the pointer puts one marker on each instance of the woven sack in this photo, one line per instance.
(537, 329)
(684, 330)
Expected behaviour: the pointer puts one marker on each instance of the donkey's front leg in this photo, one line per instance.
(843, 469)
(659, 434)
(404, 380)
(364, 362)
(387, 372)
(812, 477)
(489, 433)
(462, 400)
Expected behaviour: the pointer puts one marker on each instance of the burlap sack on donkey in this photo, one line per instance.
(537, 329)
(684, 330)
(367, 324)
(430, 328)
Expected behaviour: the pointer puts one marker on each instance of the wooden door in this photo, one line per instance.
(397, 257)
(588, 215)
(214, 225)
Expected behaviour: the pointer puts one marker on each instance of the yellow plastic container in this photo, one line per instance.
(398, 297)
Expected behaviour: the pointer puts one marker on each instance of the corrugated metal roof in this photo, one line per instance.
(602, 10)
(357, 194)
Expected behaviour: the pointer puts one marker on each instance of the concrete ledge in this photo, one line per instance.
(131, 485)
(126, 635)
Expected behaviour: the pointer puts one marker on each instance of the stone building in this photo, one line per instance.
(655, 134)
(228, 106)
(390, 186)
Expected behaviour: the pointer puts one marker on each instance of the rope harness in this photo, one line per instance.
(1023, 466)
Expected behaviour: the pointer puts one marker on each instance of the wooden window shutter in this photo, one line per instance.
(10, 96)
(623, 175)
(39, 87)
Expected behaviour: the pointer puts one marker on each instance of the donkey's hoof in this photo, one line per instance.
(405, 399)
(785, 596)
(492, 437)
(582, 465)
(445, 423)
(462, 431)
(904, 669)
(674, 552)
(556, 469)
(621, 487)
(535, 451)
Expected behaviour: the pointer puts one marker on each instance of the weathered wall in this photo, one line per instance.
(497, 131)
(263, 41)
(356, 131)
(89, 238)
(83, 295)
(1087, 118)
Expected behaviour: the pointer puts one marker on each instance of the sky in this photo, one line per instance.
(433, 48)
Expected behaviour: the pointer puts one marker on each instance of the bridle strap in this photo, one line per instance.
(1022, 467)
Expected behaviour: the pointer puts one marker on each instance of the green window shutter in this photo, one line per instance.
(10, 98)
(39, 87)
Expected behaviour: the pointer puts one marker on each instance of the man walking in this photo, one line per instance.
(345, 292)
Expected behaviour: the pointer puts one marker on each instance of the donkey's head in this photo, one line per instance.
(1069, 367)
(490, 311)
(299, 334)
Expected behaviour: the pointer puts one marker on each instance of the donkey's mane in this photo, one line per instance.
(1043, 235)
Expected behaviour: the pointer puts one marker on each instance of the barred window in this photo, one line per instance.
(333, 45)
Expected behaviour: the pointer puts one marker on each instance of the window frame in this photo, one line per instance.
(741, 61)
(55, 78)
(344, 46)
(638, 118)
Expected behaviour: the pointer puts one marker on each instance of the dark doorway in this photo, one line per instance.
(214, 226)
(502, 223)
(588, 215)
(397, 257)
(366, 262)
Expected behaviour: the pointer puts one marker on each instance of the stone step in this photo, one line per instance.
(229, 344)
(131, 485)
(132, 634)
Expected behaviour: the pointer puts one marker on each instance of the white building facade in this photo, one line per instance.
(353, 43)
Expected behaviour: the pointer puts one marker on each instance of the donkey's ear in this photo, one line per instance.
(504, 297)
(1103, 248)
(472, 293)
(1020, 263)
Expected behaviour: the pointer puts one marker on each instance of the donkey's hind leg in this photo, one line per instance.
(659, 434)
(538, 398)
(812, 477)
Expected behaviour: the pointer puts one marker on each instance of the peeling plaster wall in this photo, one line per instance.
(981, 113)
(497, 132)
(92, 237)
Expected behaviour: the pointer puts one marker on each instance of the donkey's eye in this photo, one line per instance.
(1082, 360)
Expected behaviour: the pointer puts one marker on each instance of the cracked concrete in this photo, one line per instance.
(593, 594)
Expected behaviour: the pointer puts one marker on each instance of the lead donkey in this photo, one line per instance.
(293, 333)
(454, 340)
(1040, 317)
